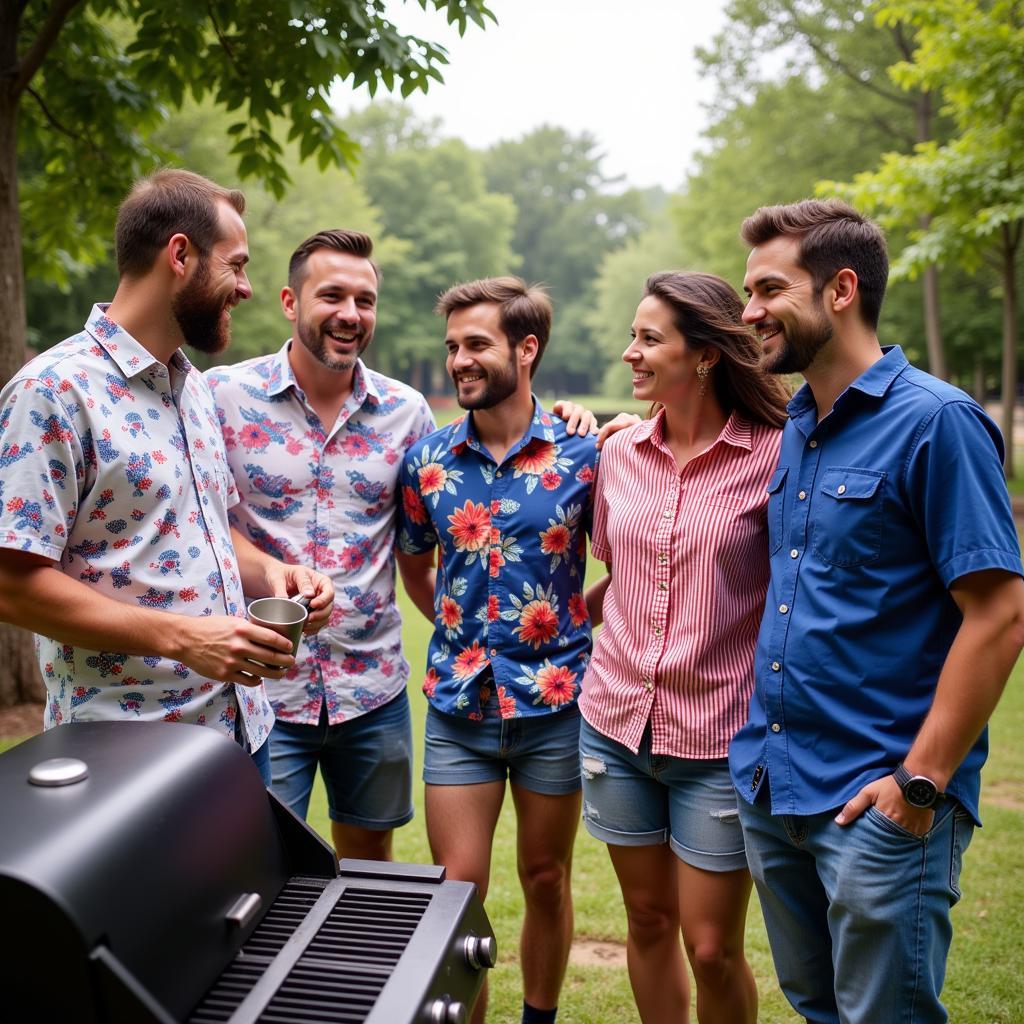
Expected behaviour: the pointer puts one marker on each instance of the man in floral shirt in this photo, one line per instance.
(504, 492)
(315, 443)
(114, 539)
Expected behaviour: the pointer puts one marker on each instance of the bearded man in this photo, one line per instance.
(115, 545)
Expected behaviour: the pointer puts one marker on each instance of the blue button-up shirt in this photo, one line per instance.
(873, 513)
(513, 550)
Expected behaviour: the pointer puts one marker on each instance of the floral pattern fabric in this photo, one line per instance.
(326, 497)
(114, 468)
(512, 542)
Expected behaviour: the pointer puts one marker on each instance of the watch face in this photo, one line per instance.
(920, 792)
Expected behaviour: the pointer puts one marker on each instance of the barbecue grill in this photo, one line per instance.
(147, 877)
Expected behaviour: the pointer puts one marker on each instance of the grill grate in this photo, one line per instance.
(339, 976)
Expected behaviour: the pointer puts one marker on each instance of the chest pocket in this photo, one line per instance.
(776, 499)
(847, 516)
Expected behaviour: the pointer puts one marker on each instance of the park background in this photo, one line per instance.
(914, 110)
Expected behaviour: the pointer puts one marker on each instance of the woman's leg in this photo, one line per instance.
(713, 914)
(657, 973)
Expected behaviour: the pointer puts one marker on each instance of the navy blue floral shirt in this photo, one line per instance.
(512, 540)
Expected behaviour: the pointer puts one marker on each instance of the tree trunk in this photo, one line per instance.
(1011, 239)
(19, 673)
(930, 282)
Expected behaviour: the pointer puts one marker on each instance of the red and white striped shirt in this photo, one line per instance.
(689, 556)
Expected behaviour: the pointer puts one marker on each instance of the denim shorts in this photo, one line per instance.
(366, 764)
(539, 753)
(643, 799)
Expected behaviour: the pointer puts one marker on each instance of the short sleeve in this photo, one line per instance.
(599, 546)
(41, 456)
(956, 488)
(416, 534)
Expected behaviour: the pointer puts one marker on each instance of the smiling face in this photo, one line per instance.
(218, 283)
(336, 309)
(484, 366)
(664, 366)
(785, 309)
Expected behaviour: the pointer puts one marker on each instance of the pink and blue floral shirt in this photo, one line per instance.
(324, 495)
(513, 548)
(114, 467)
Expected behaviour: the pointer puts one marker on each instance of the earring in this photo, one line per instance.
(703, 370)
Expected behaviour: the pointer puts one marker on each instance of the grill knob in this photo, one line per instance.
(481, 951)
(443, 1011)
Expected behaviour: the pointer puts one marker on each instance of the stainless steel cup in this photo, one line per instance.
(282, 615)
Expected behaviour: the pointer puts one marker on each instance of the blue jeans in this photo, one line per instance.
(858, 916)
(644, 799)
(366, 763)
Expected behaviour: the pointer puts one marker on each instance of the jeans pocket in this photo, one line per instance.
(890, 827)
(960, 838)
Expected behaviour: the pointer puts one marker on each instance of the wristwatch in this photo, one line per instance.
(917, 790)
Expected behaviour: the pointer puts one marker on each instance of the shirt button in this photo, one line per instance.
(667, 514)
(776, 666)
(776, 727)
(662, 585)
(841, 489)
(494, 652)
(648, 684)
(814, 444)
(657, 630)
(783, 608)
(802, 495)
(498, 473)
(662, 557)
(794, 553)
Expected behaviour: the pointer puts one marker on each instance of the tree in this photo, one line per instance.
(567, 217)
(972, 52)
(83, 81)
(834, 42)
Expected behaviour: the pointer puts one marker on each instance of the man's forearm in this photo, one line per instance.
(972, 680)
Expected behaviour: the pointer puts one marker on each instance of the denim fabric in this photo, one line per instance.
(366, 765)
(261, 758)
(643, 799)
(858, 917)
(538, 754)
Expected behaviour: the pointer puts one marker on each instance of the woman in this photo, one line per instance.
(680, 518)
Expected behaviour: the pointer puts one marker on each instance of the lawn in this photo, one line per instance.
(983, 984)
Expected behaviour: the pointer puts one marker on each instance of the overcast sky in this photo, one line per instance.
(622, 70)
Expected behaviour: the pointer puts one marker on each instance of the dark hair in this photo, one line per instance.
(340, 240)
(169, 202)
(833, 236)
(708, 313)
(523, 308)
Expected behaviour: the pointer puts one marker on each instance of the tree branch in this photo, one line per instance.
(43, 43)
(56, 124)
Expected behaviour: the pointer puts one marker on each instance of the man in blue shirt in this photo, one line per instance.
(894, 615)
(504, 493)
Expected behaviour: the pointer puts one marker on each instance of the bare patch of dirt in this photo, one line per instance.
(595, 953)
(1003, 794)
(21, 721)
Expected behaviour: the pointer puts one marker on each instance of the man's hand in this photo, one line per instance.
(887, 796)
(620, 422)
(578, 420)
(287, 580)
(231, 649)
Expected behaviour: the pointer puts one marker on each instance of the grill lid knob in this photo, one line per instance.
(58, 771)
(481, 951)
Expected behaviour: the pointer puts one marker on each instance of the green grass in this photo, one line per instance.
(982, 986)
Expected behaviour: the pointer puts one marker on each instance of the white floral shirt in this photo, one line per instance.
(113, 466)
(324, 495)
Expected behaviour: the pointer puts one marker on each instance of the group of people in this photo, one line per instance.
(811, 608)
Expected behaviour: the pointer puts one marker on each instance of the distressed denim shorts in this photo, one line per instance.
(642, 799)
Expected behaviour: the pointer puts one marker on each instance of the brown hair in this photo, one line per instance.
(708, 313)
(168, 202)
(833, 236)
(523, 308)
(341, 240)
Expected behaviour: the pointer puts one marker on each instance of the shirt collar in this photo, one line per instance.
(130, 356)
(282, 378)
(541, 427)
(736, 432)
(875, 381)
